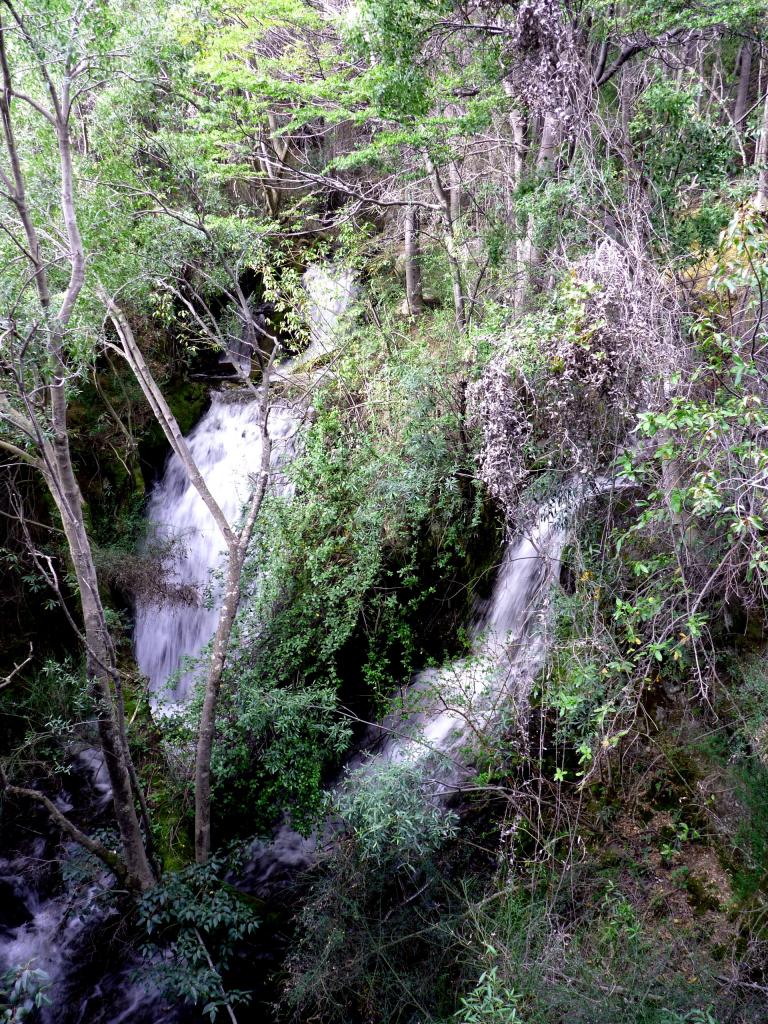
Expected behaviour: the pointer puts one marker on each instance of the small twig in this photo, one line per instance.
(16, 669)
(204, 948)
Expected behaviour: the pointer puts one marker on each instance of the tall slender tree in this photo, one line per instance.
(41, 351)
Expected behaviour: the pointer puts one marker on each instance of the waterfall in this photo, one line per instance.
(226, 447)
(329, 294)
(445, 710)
(51, 923)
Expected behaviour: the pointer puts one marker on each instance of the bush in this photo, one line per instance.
(193, 923)
(391, 816)
(22, 993)
(375, 932)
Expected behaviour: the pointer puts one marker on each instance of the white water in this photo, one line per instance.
(226, 446)
(49, 931)
(449, 709)
(330, 293)
(53, 935)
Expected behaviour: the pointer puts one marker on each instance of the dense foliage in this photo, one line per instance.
(555, 218)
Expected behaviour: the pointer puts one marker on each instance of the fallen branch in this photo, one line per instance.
(109, 857)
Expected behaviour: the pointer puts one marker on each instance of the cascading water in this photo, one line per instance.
(445, 709)
(330, 294)
(56, 932)
(42, 922)
(226, 446)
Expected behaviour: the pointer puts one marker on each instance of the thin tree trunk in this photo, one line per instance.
(761, 161)
(546, 155)
(528, 256)
(625, 102)
(449, 235)
(517, 122)
(100, 668)
(700, 74)
(717, 90)
(742, 93)
(413, 289)
(221, 641)
(237, 549)
(162, 412)
(454, 179)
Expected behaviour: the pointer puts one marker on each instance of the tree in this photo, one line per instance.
(414, 295)
(761, 160)
(42, 353)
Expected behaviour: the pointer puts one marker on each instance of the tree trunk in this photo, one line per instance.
(101, 670)
(413, 290)
(517, 123)
(700, 56)
(761, 161)
(528, 256)
(625, 104)
(454, 179)
(449, 235)
(742, 93)
(207, 729)
(546, 155)
(162, 412)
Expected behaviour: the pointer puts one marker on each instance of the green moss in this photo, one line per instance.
(172, 837)
(188, 401)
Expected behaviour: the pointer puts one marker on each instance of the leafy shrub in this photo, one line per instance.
(390, 816)
(489, 1002)
(40, 719)
(275, 743)
(575, 947)
(22, 993)
(193, 923)
(375, 931)
(699, 152)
